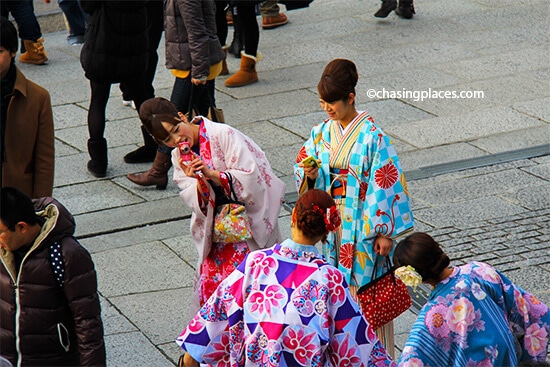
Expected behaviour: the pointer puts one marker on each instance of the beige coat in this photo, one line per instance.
(29, 140)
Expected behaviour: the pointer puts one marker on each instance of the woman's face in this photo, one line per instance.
(178, 133)
(339, 110)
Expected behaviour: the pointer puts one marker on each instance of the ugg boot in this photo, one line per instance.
(247, 73)
(405, 9)
(35, 53)
(157, 174)
(237, 44)
(98, 152)
(387, 7)
(144, 154)
(225, 70)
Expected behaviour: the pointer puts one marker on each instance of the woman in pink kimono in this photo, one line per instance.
(219, 150)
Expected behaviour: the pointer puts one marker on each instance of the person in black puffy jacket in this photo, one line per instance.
(115, 50)
(49, 311)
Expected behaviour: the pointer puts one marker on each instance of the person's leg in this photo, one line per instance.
(137, 89)
(247, 15)
(221, 21)
(270, 8)
(97, 144)
(155, 27)
(76, 19)
(32, 45)
(181, 93)
(247, 73)
(271, 16)
(23, 14)
(96, 113)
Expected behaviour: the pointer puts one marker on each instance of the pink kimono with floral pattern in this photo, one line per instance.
(255, 184)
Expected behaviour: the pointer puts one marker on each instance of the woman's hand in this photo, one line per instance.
(194, 165)
(198, 81)
(383, 245)
(310, 172)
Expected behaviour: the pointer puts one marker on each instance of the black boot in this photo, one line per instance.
(143, 154)
(387, 7)
(98, 152)
(405, 9)
(237, 45)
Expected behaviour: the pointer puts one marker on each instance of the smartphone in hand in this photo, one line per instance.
(310, 162)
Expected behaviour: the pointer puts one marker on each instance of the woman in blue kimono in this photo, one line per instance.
(357, 164)
(475, 316)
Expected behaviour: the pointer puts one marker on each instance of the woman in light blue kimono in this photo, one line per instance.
(357, 164)
(475, 316)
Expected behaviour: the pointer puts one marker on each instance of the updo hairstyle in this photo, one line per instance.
(338, 81)
(153, 112)
(424, 254)
(309, 221)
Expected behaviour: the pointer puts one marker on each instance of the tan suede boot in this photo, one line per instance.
(225, 70)
(157, 174)
(35, 53)
(247, 73)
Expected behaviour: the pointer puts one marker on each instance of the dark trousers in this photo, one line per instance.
(23, 13)
(75, 16)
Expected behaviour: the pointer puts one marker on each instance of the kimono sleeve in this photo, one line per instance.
(531, 318)
(310, 148)
(209, 333)
(384, 189)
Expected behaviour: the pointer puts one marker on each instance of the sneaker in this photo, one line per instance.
(274, 22)
(75, 40)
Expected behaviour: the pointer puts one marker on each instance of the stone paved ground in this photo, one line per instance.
(497, 213)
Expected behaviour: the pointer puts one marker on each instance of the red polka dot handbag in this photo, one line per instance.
(384, 298)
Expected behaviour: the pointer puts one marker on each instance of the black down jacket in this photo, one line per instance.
(44, 323)
(115, 46)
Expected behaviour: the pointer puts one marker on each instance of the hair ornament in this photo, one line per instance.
(331, 216)
(409, 276)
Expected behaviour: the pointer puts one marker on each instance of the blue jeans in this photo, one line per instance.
(181, 94)
(75, 16)
(23, 13)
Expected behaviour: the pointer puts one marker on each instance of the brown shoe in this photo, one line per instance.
(35, 53)
(274, 22)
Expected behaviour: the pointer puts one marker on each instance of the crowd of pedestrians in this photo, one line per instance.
(263, 300)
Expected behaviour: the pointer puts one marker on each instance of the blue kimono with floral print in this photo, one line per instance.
(283, 306)
(478, 317)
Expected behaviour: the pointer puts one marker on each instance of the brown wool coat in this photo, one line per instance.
(29, 140)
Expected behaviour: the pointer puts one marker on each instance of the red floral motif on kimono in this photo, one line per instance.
(346, 255)
(386, 176)
(302, 154)
(302, 343)
(220, 352)
(345, 352)
(363, 187)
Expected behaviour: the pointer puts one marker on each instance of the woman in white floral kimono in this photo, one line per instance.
(217, 149)
(358, 165)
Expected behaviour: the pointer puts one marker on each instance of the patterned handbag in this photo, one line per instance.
(384, 298)
(231, 222)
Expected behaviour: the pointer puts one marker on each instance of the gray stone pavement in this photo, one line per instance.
(478, 203)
